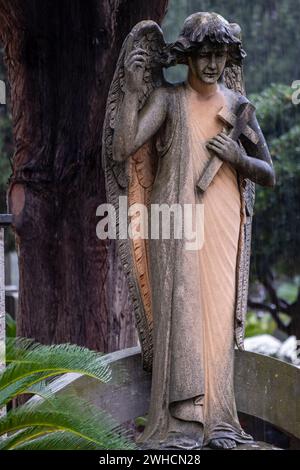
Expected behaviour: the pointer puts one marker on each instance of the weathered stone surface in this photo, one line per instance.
(268, 389)
(256, 446)
(265, 387)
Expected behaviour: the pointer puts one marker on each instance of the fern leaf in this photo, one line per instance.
(20, 437)
(58, 441)
(28, 385)
(27, 358)
(70, 414)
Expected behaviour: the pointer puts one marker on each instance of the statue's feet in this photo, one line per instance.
(222, 443)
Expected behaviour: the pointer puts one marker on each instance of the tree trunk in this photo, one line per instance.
(60, 56)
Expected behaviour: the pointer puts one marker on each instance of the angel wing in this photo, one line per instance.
(134, 178)
(233, 77)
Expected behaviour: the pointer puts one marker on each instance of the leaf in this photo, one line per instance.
(23, 386)
(10, 326)
(70, 414)
(57, 441)
(27, 358)
(9, 442)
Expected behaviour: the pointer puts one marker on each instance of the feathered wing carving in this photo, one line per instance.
(233, 77)
(134, 178)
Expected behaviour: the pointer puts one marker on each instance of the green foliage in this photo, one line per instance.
(276, 227)
(72, 420)
(259, 326)
(30, 363)
(288, 291)
(10, 326)
(275, 110)
(56, 440)
(49, 421)
(141, 421)
(270, 30)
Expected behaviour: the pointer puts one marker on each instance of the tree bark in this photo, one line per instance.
(60, 57)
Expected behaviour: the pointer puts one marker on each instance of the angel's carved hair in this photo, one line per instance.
(201, 27)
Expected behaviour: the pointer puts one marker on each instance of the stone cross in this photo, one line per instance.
(238, 125)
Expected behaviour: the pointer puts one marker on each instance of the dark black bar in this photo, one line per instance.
(139, 459)
(5, 220)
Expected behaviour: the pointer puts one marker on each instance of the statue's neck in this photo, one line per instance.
(204, 89)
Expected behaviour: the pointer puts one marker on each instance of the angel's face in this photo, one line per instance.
(208, 62)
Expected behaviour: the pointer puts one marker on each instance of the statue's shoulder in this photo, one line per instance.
(168, 89)
(160, 93)
(168, 93)
(234, 98)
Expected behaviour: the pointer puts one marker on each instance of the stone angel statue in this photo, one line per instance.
(196, 142)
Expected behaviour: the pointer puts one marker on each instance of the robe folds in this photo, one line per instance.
(195, 292)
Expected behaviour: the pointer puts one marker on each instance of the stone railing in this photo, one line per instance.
(266, 388)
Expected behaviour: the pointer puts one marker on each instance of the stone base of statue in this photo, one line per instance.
(260, 382)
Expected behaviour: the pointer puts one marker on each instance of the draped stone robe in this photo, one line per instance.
(194, 292)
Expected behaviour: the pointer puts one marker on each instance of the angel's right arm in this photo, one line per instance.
(133, 127)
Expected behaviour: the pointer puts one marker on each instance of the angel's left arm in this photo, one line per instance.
(258, 168)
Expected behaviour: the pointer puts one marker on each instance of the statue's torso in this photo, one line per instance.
(176, 154)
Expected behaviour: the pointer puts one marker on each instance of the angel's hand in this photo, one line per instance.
(225, 148)
(134, 69)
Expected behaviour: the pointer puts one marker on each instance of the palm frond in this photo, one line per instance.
(33, 384)
(58, 440)
(27, 358)
(23, 436)
(41, 389)
(70, 414)
(51, 421)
